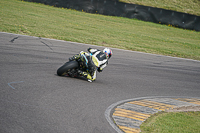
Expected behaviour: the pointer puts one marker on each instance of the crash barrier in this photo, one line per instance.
(116, 8)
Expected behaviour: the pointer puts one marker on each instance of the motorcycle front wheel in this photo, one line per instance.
(67, 67)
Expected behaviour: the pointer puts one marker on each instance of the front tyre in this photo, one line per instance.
(67, 67)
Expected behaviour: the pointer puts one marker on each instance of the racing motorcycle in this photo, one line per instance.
(72, 67)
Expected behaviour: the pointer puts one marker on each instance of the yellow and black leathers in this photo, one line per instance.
(95, 60)
(88, 65)
(100, 58)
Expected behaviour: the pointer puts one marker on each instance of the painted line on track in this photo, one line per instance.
(9, 84)
(127, 115)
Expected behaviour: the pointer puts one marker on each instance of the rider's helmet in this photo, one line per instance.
(108, 52)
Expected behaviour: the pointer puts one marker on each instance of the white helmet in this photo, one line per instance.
(108, 52)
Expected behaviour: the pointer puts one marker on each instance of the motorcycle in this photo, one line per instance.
(72, 67)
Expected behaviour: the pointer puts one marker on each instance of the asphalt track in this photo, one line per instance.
(34, 99)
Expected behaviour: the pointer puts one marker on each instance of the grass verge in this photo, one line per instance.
(64, 24)
(163, 122)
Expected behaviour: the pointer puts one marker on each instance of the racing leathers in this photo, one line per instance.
(100, 57)
(93, 61)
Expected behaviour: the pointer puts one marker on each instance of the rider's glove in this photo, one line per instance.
(99, 69)
(74, 57)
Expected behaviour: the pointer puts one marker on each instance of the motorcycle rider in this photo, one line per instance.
(95, 60)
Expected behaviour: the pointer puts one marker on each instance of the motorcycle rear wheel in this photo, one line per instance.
(67, 67)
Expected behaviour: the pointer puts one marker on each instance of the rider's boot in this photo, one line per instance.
(86, 75)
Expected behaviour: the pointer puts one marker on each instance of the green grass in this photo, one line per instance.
(46, 21)
(184, 122)
(186, 6)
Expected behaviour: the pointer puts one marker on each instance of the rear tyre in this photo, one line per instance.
(67, 67)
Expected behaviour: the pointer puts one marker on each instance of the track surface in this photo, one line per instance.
(34, 99)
